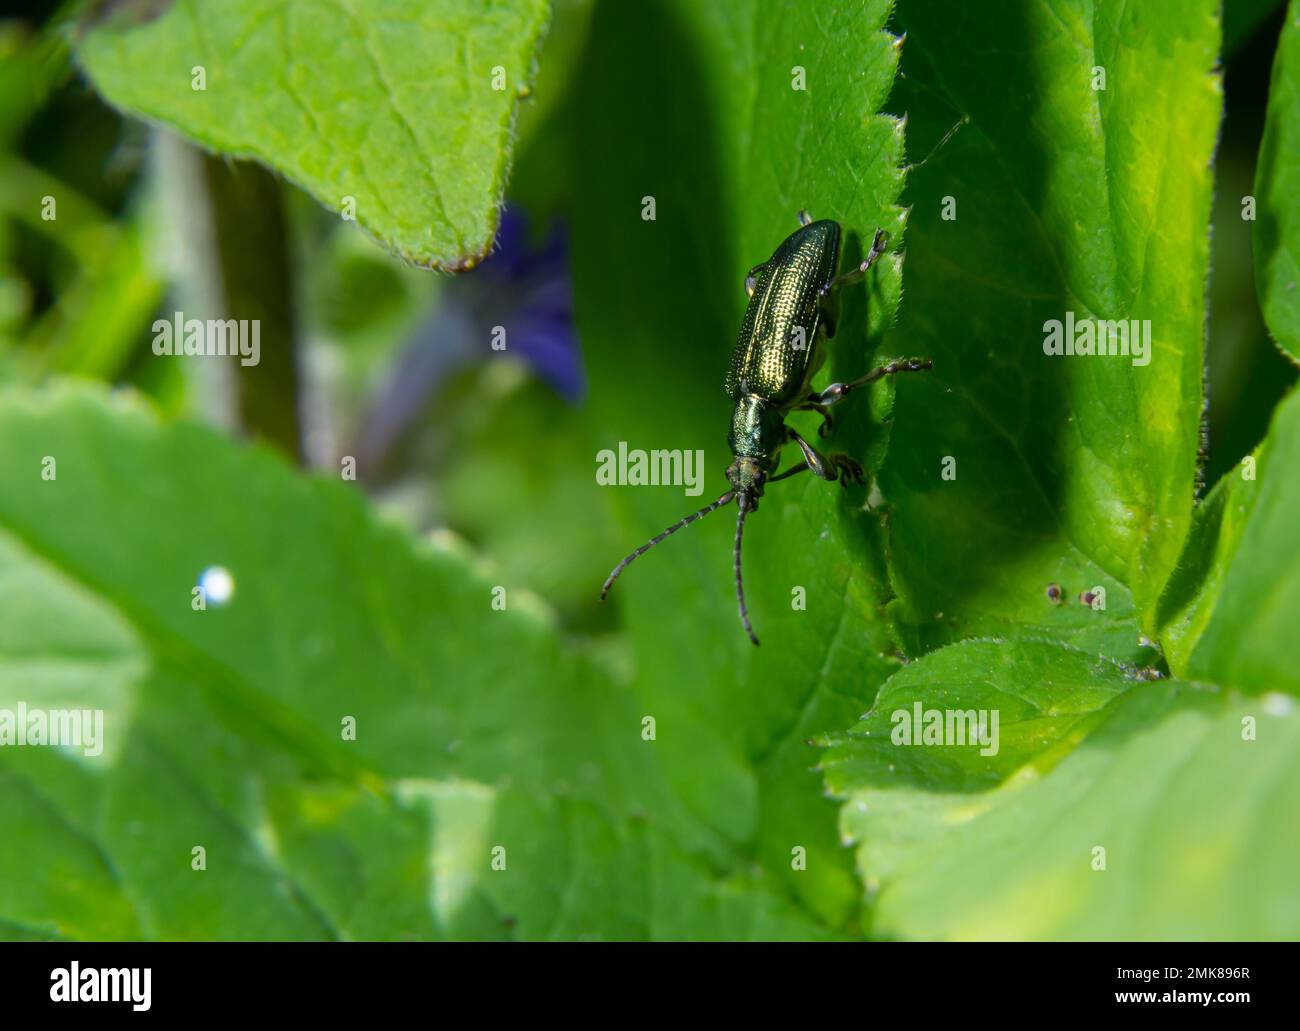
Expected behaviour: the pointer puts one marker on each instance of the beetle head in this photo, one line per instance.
(747, 476)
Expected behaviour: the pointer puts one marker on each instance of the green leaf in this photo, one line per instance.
(1189, 792)
(1277, 181)
(391, 103)
(1073, 470)
(730, 152)
(60, 649)
(1045, 697)
(1193, 592)
(1234, 610)
(225, 725)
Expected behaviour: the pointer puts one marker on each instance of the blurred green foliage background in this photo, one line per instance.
(474, 468)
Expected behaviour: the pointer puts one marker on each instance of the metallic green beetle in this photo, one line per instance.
(792, 309)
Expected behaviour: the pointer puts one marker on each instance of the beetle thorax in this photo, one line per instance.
(757, 433)
(757, 429)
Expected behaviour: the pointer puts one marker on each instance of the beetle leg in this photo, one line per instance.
(793, 470)
(848, 469)
(751, 279)
(878, 245)
(829, 467)
(804, 217)
(836, 391)
(815, 461)
(814, 404)
(830, 316)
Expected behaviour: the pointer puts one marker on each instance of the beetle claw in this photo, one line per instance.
(848, 469)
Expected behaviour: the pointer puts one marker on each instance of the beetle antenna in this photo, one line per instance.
(609, 582)
(963, 120)
(740, 583)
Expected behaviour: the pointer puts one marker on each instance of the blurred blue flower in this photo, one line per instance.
(531, 289)
(519, 287)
